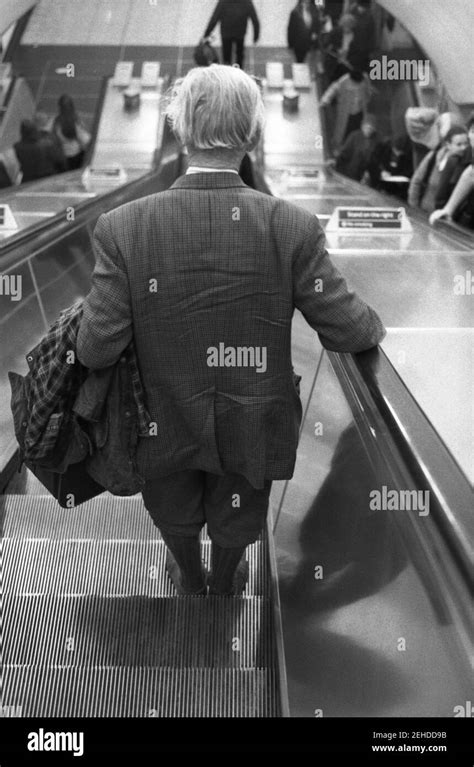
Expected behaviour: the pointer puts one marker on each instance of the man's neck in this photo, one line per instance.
(215, 160)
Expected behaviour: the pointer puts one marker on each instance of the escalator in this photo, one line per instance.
(91, 624)
(374, 616)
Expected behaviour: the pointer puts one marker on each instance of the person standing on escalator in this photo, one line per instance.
(233, 16)
(437, 175)
(69, 130)
(205, 277)
(303, 29)
(460, 206)
(38, 156)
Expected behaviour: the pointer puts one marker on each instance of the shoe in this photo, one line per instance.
(239, 581)
(175, 574)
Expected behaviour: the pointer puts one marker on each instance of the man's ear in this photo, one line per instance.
(253, 145)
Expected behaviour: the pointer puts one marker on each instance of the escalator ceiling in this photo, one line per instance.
(444, 30)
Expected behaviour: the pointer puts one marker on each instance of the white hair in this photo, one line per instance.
(217, 107)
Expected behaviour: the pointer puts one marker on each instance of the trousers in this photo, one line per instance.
(183, 502)
(227, 46)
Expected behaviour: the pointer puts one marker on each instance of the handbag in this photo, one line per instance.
(205, 54)
(70, 489)
(73, 485)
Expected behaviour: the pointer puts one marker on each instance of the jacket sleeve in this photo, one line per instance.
(446, 184)
(330, 93)
(255, 21)
(464, 186)
(343, 321)
(106, 326)
(215, 18)
(368, 92)
(415, 190)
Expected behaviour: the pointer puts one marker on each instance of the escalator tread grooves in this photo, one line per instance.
(87, 632)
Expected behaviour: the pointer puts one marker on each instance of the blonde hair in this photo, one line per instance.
(217, 107)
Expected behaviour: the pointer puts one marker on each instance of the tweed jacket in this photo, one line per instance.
(205, 277)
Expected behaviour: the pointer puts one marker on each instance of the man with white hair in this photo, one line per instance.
(205, 278)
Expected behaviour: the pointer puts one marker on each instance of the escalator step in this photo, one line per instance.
(141, 692)
(107, 516)
(109, 568)
(178, 632)
(92, 625)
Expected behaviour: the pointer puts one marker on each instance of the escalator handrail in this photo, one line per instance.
(386, 403)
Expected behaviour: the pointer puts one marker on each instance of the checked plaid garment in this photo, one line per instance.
(55, 378)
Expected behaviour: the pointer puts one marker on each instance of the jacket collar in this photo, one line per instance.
(208, 181)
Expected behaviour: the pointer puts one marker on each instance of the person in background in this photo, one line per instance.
(70, 132)
(37, 156)
(339, 46)
(460, 206)
(352, 93)
(233, 16)
(431, 183)
(422, 127)
(334, 9)
(395, 166)
(44, 124)
(364, 33)
(303, 29)
(205, 54)
(359, 156)
(427, 128)
(460, 156)
(226, 431)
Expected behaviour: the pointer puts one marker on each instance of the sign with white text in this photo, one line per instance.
(380, 220)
